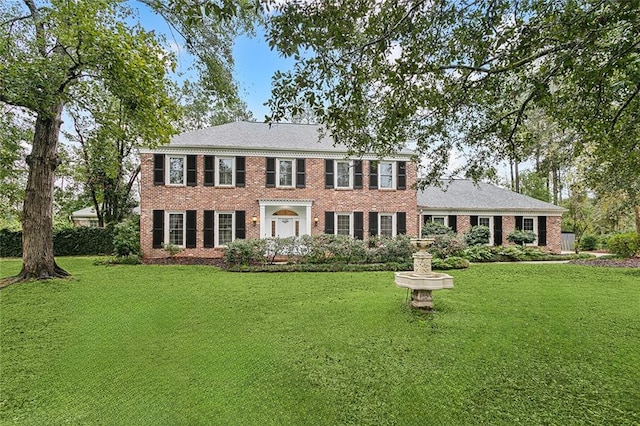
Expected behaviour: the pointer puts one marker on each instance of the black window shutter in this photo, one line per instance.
(518, 223)
(426, 218)
(271, 172)
(158, 228)
(474, 220)
(158, 169)
(497, 230)
(208, 229)
(542, 230)
(192, 173)
(301, 173)
(191, 229)
(328, 223)
(240, 171)
(401, 223)
(209, 170)
(453, 222)
(357, 174)
(358, 225)
(328, 174)
(373, 176)
(373, 223)
(241, 226)
(402, 175)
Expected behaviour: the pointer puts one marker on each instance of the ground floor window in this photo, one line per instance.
(343, 224)
(224, 228)
(176, 229)
(386, 225)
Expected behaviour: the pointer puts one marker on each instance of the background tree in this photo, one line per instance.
(47, 48)
(452, 74)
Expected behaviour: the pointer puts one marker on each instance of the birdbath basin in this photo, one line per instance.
(422, 280)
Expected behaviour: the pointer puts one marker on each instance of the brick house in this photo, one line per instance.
(463, 204)
(247, 180)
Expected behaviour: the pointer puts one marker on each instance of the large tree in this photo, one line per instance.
(462, 74)
(48, 47)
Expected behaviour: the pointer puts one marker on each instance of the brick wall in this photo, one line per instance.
(202, 198)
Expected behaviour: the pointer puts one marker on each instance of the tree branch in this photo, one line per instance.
(624, 106)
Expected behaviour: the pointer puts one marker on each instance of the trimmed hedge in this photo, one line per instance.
(66, 242)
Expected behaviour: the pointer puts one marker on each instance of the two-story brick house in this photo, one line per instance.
(248, 180)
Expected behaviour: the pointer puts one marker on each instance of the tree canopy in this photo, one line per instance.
(463, 74)
(55, 53)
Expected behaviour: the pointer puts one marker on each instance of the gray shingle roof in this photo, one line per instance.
(463, 194)
(254, 135)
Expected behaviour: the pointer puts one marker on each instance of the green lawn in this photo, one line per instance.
(510, 344)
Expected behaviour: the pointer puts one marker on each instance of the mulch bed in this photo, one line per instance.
(633, 262)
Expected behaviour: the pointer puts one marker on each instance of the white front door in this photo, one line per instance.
(285, 227)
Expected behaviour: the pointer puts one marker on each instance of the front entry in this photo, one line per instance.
(286, 227)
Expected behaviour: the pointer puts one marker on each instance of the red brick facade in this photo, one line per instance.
(553, 227)
(248, 199)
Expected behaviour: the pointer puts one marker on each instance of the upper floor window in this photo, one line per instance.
(386, 175)
(225, 174)
(176, 170)
(286, 173)
(343, 174)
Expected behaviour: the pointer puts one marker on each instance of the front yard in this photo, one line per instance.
(510, 344)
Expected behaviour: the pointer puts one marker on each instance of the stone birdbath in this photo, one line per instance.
(422, 281)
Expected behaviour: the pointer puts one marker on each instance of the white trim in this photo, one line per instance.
(534, 220)
(394, 183)
(167, 176)
(293, 172)
(335, 221)
(167, 229)
(335, 174)
(284, 153)
(487, 212)
(216, 230)
(218, 169)
(394, 228)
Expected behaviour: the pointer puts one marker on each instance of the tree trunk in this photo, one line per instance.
(37, 221)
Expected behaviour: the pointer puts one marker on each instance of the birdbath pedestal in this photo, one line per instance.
(422, 281)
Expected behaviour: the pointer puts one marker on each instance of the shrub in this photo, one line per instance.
(479, 254)
(521, 237)
(435, 228)
(385, 249)
(624, 245)
(588, 242)
(245, 252)
(172, 249)
(10, 243)
(478, 235)
(83, 241)
(126, 238)
(447, 245)
(453, 262)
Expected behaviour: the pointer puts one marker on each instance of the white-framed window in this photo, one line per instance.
(387, 225)
(225, 175)
(344, 224)
(343, 174)
(225, 225)
(442, 220)
(285, 173)
(529, 224)
(175, 232)
(488, 222)
(176, 170)
(386, 175)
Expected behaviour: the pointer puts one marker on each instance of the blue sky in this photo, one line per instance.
(254, 66)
